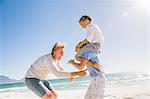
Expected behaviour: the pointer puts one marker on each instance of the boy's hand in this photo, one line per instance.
(70, 61)
(79, 44)
(77, 49)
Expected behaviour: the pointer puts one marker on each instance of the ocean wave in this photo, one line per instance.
(112, 79)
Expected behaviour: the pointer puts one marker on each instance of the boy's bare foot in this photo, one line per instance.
(70, 61)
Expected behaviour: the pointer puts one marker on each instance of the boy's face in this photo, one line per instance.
(84, 23)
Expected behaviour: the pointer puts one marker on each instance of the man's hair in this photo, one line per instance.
(84, 17)
(58, 45)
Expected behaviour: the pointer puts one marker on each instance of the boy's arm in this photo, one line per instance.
(80, 44)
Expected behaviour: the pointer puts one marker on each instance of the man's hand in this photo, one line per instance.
(79, 73)
(71, 78)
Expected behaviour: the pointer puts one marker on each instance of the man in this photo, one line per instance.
(39, 70)
(87, 51)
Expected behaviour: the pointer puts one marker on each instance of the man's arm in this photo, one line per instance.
(72, 75)
(61, 73)
(78, 73)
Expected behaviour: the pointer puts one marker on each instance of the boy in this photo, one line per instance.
(90, 46)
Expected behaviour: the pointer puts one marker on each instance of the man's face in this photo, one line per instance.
(58, 54)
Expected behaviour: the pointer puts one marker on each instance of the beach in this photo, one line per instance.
(39, 37)
(137, 91)
(118, 86)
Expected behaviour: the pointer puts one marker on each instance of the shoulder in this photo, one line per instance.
(95, 26)
(92, 26)
(46, 56)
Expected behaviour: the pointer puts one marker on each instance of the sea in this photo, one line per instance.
(112, 80)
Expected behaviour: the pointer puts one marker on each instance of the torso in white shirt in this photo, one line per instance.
(43, 66)
(94, 34)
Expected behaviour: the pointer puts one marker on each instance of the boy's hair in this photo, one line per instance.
(84, 17)
(58, 45)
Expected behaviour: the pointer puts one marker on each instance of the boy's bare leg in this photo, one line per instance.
(92, 64)
(83, 63)
(79, 66)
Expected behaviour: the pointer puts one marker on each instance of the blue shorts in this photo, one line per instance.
(33, 84)
(91, 55)
(89, 47)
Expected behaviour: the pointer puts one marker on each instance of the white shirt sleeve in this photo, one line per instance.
(90, 34)
(58, 71)
(60, 67)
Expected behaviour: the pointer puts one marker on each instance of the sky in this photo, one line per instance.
(30, 28)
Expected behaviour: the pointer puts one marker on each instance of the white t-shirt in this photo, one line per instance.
(45, 65)
(94, 34)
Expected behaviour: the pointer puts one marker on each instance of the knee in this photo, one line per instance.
(55, 96)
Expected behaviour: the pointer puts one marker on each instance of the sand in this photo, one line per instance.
(137, 91)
